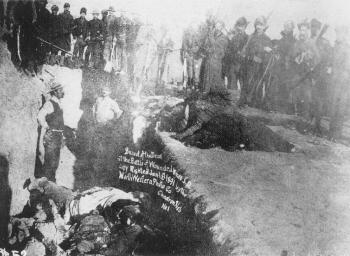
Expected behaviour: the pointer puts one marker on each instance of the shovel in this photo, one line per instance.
(109, 65)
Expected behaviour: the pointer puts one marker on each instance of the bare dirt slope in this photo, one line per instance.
(20, 100)
(270, 202)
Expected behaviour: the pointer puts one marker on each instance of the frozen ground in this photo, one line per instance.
(270, 202)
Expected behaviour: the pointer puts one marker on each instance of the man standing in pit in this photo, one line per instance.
(50, 118)
(95, 38)
(106, 112)
(105, 108)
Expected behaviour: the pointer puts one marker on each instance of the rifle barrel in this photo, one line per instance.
(49, 43)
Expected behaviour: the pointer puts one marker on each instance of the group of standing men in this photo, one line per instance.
(303, 75)
(38, 35)
(110, 38)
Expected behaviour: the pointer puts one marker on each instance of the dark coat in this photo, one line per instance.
(80, 27)
(232, 53)
(95, 29)
(66, 21)
(42, 24)
(55, 28)
(255, 48)
(285, 48)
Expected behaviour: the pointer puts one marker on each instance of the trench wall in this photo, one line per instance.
(20, 100)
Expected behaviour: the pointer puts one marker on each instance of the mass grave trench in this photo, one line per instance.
(181, 220)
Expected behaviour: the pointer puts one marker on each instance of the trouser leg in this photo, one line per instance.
(52, 144)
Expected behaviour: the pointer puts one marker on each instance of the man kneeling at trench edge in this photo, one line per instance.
(50, 119)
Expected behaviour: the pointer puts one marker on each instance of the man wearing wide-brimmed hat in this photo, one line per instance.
(50, 118)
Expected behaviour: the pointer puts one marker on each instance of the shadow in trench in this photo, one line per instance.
(97, 146)
(5, 200)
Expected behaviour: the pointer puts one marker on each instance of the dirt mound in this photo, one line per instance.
(272, 201)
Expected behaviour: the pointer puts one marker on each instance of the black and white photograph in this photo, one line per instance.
(175, 127)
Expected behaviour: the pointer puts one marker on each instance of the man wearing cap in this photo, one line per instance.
(95, 38)
(321, 76)
(258, 53)
(305, 57)
(66, 30)
(50, 118)
(340, 91)
(55, 30)
(80, 29)
(233, 61)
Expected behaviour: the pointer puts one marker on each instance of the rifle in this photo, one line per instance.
(109, 65)
(269, 64)
(310, 72)
(51, 44)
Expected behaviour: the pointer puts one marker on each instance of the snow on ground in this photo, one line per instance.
(270, 202)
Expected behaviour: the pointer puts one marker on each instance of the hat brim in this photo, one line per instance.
(56, 88)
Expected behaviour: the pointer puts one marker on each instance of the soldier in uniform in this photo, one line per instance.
(67, 24)
(284, 69)
(121, 42)
(340, 93)
(212, 44)
(110, 33)
(306, 57)
(164, 47)
(55, 29)
(233, 60)
(321, 76)
(50, 118)
(188, 50)
(104, 14)
(95, 38)
(132, 29)
(258, 53)
(116, 35)
(42, 27)
(80, 26)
